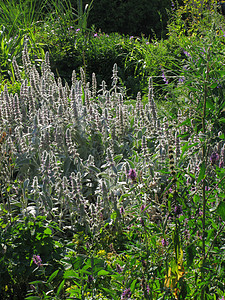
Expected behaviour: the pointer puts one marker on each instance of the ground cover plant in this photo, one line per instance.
(105, 197)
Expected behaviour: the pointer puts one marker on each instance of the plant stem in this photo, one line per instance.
(203, 182)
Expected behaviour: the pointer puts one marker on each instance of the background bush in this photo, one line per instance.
(131, 17)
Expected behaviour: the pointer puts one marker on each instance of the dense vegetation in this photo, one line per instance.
(112, 175)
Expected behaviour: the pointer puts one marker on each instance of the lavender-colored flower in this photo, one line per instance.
(214, 157)
(126, 294)
(178, 210)
(200, 212)
(78, 29)
(164, 77)
(181, 79)
(164, 242)
(37, 260)
(148, 289)
(221, 164)
(132, 174)
(222, 298)
(187, 54)
(95, 35)
(173, 5)
(143, 207)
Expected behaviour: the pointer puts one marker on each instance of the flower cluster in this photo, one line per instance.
(37, 260)
(126, 294)
(132, 175)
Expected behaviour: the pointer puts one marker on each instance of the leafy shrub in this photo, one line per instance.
(130, 17)
(20, 239)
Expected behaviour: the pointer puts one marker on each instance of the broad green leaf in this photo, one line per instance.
(53, 276)
(221, 210)
(48, 231)
(70, 274)
(60, 287)
(132, 286)
(103, 273)
(222, 120)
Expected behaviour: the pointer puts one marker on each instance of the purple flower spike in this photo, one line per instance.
(214, 157)
(164, 242)
(143, 207)
(126, 294)
(187, 54)
(37, 260)
(132, 174)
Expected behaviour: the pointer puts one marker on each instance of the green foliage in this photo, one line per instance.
(131, 17)
(20, 239)
(133, 197)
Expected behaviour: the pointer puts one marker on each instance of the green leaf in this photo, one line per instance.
(110, 292)
(132, 286)
(60, 287)
(53, 276)
(190, 254)
(70, 274)
(48, 231)
(221, 210)
(103, 273)
(132, 165)
(214, 85)
(222, 120)
(202, 172)
(222, 73)
(33, 298)
(118, 157)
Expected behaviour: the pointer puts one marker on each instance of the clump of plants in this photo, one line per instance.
(136, 193)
